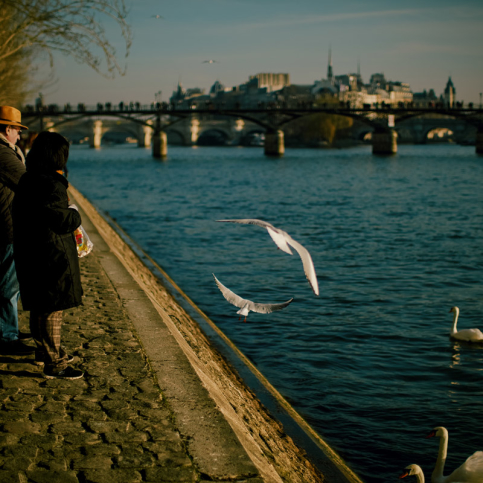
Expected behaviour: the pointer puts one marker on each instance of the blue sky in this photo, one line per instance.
(420, 42)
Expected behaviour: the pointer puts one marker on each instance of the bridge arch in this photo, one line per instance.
(213, 137)
(98, 132)
(403, 134)
(175, 137)
(75, 135)
(119, 135)
(439, 134)
(253, 137)
(363, 133)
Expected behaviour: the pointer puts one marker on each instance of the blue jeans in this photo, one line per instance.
(9, 295)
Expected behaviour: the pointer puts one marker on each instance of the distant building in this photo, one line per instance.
(326, 88)
(348, 82)
(184, 98)
(350, 89)
(194, 92)
(274, 89)
(216, 88)
(178, 95)
(296, 96)
(273, 82)
(425, 98)
(378, 81)
(399, 93)
(449, 97)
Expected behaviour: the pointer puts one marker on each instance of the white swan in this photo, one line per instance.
(471, 471)
(282, 239)
(413, 470)
(467, 335)
(246, 306)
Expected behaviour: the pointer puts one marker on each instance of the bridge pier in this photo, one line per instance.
(160, 145)
(49, 126)
(194, 131)
(384, 142)
(95, 140)
(479, 141)
(274, 143)
(145, 136)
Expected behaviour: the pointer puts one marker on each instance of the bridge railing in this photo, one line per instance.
(213, 106)
(80, 108)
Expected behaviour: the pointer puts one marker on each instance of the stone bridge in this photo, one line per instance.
(233, 126)
(417, 130)
(188, 131)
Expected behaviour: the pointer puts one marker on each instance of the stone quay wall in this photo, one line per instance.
(157, 403)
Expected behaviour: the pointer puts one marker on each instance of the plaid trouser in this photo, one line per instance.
(46, 330)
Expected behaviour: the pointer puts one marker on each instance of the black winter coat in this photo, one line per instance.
(11, 170)
(44, 245)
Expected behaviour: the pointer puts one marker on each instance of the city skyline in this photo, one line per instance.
(422, 44)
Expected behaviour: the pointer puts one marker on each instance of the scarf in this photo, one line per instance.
(17, 150)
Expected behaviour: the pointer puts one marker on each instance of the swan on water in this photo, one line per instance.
(246, 306)
(282, 239)
(415, 470)
(467, 335)
(471, 471)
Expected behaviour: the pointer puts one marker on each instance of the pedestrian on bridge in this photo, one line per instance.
(12, 167)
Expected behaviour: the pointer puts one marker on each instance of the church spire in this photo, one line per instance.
(330, 74)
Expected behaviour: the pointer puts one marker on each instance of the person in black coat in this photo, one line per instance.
(45, 250)
(12, 167)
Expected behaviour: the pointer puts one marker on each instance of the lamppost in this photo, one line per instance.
(481, 94)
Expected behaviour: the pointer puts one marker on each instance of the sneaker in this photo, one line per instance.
(68, 373)
(40, 362)
(15, 348)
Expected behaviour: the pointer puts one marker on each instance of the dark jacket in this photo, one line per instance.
(11, 169)
(44, 245)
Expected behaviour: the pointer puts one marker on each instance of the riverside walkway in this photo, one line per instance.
(157, 402)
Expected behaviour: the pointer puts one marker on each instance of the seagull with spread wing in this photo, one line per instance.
(247, 306)
(282, 239)
(211, 61)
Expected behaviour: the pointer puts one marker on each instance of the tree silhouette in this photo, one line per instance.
(75, 28)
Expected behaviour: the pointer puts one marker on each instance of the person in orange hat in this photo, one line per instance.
(12, 167)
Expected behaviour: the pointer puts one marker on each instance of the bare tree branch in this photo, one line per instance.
(70, 27)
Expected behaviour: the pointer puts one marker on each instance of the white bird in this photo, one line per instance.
(211, 61)
(471, 471)
(156, 16)
(282, 239)
(246, 306)
(468, 335)
(413, 470)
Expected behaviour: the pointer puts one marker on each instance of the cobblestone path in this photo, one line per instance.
(110, 426)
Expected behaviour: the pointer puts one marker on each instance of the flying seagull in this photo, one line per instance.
(156, 16)
(209, 61)
(246, 306)
(283, 240)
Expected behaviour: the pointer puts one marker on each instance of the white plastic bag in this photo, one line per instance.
(84, 244)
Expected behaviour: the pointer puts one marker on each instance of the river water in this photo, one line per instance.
(396, 242)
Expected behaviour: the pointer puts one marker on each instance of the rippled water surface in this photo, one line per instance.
(396, 242)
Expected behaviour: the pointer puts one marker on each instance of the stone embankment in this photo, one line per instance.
(157, 403)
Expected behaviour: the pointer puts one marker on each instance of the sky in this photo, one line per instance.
(420, 42)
